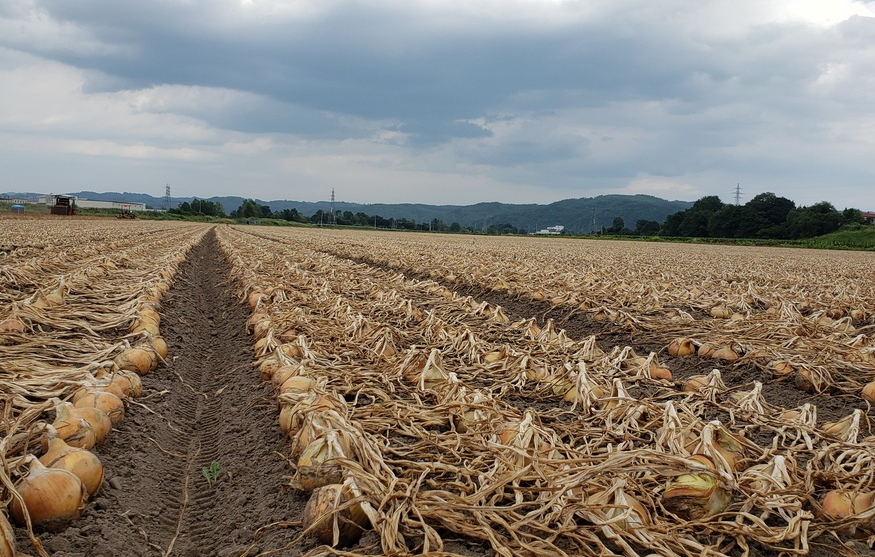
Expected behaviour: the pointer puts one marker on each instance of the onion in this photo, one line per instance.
(52, 497)
(12, 325)
(659, 372)
(318, 465)
(73, 429)
(720, 311)
(134, 359)
(254, 299)
(707, 349)
(109, 403)
(696, 382)
(261, 328)
(129, 383)
(146, 324)
(725, 353)
(256, 317)
(807, 381)
(331, 519)
(7, 538)
(98, 421)
(297, 385)
(159, 345)
(280, 375)
(681, 347)
(869, 391)
(694, 496)
(268, 366)
(84, 464)
(314, 426)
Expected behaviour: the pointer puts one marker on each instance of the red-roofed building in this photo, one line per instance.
(869, 216)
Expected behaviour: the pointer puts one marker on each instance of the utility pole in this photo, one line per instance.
(737, 193)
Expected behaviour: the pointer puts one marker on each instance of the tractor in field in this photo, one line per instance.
(64, 205)
(126, 213)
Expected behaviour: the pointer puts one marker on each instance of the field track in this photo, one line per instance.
(425, 365)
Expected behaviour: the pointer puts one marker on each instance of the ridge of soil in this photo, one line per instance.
(206, 405)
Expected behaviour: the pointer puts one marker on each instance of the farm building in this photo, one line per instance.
(93, 204)
(551, 230)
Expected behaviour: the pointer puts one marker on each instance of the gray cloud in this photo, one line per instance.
(578, 97)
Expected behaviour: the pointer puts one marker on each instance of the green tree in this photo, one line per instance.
(761, 216)
(816, 220)
(645, 227)
(853, 216)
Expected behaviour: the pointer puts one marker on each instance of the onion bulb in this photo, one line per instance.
(134, 359)
(82, 463)
(73, 429)
(869, 391)
(109, 403)
(319, 464)
(331, 519)
(297, 385)
(12, 325)
(52, 497)
(279, 376)
(128, 382)
(7, 538)
(694, 496)
(838, 505)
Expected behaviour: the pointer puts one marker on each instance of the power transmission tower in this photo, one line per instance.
(592, 224)
(737, 194)
(333, 216)
(167, 201)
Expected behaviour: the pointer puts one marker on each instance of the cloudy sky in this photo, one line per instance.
(440, 101)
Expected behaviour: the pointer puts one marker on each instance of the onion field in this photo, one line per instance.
(242, 391)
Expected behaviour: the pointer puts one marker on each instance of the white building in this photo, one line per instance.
(93, 204)
(551, 230)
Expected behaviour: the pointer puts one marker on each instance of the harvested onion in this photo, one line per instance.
(7, 537)
(51, 496)
(84, 464)
(319, 464)
(331, 518)
(135, 359)
(694, 496)
(107, 402)
(76, 431)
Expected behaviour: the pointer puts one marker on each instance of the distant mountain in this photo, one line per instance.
(580, 215)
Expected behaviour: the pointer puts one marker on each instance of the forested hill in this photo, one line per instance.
(581, 215)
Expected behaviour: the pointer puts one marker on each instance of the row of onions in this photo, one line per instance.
(455, 422)
(765, 306)
(81, 327)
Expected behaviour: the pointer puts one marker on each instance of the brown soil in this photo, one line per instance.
(206, 405)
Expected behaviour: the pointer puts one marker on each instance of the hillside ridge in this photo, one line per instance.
(577, 215)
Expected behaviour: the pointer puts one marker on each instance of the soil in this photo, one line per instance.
(206, 405)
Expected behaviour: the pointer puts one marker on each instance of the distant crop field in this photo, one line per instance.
(401, 394)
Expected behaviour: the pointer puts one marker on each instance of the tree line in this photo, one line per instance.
(250, 209)
(766, 216)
